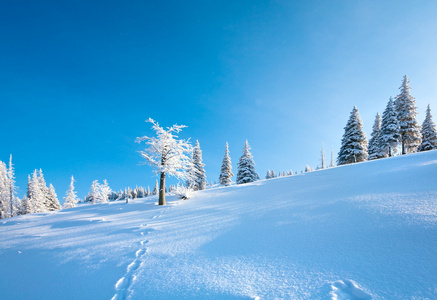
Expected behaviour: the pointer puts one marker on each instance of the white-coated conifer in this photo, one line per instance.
(197, 177)
(4, 191)
(156, 188)
(246, 167)
(389, 133)
(226, 169)
(374, 140)
(322, 157)
(105, 191)
(354, 142)
(406, 109)
(52, 199)
(332, 164)
(71, 199)
(429, 133)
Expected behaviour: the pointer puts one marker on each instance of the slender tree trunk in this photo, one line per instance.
(389, 151)
(162, 189)
(403, 145)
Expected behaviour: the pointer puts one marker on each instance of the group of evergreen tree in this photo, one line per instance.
(398, 127)
(271, 174)
(246, 167)
(39, 197)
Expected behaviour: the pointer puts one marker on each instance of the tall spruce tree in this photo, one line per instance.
(52, 199)
(4, 191)
(13, 207)
(389, 133)
(246, 167)
(354, 143)
(322, 157)
(374, 140)
(429, 133)
(406, 109)
(197, 177)
(71, 197)
(332, 164)
(156, 188)
(226, 169)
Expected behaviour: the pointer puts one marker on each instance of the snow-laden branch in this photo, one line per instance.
(166, 152)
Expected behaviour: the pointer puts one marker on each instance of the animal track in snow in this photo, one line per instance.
(348, 290)
(123, 284)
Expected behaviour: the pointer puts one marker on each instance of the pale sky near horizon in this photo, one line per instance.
(80, 78)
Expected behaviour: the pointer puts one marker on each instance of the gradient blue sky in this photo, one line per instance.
(79, 78)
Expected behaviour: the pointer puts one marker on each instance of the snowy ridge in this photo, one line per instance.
(362, 231)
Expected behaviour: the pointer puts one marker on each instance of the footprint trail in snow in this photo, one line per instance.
(124, 284)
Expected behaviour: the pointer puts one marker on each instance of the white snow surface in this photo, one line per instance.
(362, 231)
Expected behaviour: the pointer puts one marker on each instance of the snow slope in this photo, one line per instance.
(363, 231)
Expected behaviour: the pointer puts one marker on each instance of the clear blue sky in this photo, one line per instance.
(79, 78)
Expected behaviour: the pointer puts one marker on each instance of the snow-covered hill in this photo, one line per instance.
(360, 231)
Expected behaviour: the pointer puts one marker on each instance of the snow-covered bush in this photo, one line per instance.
(183, 192)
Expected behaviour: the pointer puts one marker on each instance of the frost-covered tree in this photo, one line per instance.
(36, 194)
(95, 194)
(148, 191)
(197, 177)
(166, 153)
(307, 168)
(4, 191)
(44, 190)
(105, 191)
(246, 167)
(332, 164)
(406, 109)
(71, 199)
(322, 157)
(156, 188)
(52, 199)
(374, 140)
(226, 169)
(389, 133)
(354, 143)
(268, 174)
(429, 133)
(13, 203)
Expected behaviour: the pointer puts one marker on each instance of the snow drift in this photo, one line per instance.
(362, 231)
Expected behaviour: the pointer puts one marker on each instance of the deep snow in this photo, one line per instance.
(362, 231)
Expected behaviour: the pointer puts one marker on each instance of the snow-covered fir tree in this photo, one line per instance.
(406, 109)
(4, 191)
(322, 157)
(268, 174)
(197, 177)
(44, 190)
(226, 169)
(246, 167)
(429, 133)
(332, 164)
(307, 168)
(166, 153)
(52, 199)
(36, 195)
(105, 191)
(94, 194)
(374, 140)
(156, 188)
(389, 133)
(71, 199)
(148, 191)
(354, 142)
(13, 200)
